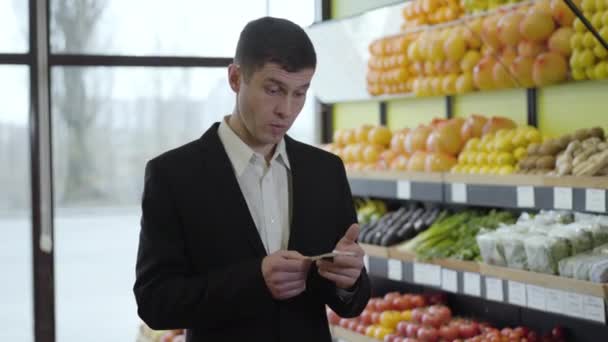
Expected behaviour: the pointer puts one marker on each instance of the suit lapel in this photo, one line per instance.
(299, 194)
(227, 186)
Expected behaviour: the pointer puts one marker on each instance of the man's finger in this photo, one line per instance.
(337, 278)
(347, 272)
(342, 262)
(351, 234)
(291, 293)
(290, 265)
(283, 277)
(292, 255)
(289, 286)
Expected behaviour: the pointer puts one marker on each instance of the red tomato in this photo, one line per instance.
(428, 334)
(402, 328)
(506, 331)
(448, 333)
(366, 317)
(468, 330)
(390, 338)
(371, 305)
(362, 329)
(431, 320)
(558, 332)
(418, 301)
(522, 330)
(391, 295)
(333, 318)
(401, 303)
(352, 325)
(417, 315)
(382, 305)
(412, 330)
(376, 317)
(532, 336)
(443, 312)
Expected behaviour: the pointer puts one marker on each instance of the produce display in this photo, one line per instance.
(424, 12)
(589, 58)
(454, 236)
(550, 242)
(369, 210)
(400, 225)
(412, 317)
(526, 45)
(584, 153)
(495, 147)
(476, 6)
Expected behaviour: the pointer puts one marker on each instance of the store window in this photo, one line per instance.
(13, 26)
(16, 322)
(141, 27)
(107, 122)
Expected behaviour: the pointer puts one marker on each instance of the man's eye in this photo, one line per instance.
(272, 91)
(300, 94)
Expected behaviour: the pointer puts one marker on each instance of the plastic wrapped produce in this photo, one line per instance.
(548, 217)
(490, 247)
(599, 271)
(514, 249)
(578, 236)
(579, 266)
(544, 252)
(597, 224)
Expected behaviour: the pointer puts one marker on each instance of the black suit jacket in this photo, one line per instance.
(199, 258)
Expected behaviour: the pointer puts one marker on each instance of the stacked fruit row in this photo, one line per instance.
(476, 6)
(424, 12)
(589, 59)
(411, 317)
(522, 46)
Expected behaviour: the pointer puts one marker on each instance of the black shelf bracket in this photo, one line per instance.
(531, 99)
(383, 114)
(586, 22)
(449, 105)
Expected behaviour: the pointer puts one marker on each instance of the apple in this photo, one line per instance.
(445, 138)
(537, 25)
(448, 333)
(380, 135)
(455, 46)
(489, 32)
(560, 41)
(400, 163)
(464, 83)
(362, 132)
(529, 49)
(428, 334)
(549, 68)
(439, 162)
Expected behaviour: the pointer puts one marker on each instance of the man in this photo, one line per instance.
(229, 219)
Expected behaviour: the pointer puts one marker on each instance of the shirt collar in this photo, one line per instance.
(240, 154)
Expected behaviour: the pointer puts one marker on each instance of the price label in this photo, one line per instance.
(427, 274)
(525, 197)
(472, 284)
(517, 293)
(536, 297)
(595, 200)
(449, 280)
(404, 190)
(562, 198)
(574, 303)
(553, 300)
(395, 270)
(366, 262)
(494, 290)
(459, 193)
(594, 309)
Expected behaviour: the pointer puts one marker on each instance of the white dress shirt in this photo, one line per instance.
(265, 186)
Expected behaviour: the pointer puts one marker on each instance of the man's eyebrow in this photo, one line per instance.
(283, 85)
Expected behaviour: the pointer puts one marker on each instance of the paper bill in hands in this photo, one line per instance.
(330, 256)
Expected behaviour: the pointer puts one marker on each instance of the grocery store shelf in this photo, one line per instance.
(349, 336)
(509, 191)
(539, 291)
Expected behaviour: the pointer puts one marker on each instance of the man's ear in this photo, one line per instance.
(234, 77)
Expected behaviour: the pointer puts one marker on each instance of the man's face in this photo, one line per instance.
(270, 100)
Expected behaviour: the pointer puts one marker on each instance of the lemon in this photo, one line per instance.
(472, 157)
(504, 145)
(482, 158)
(519, 140)
(463, 157)
(492, 158)
(520, 153)
(474, 170)
(484, 170)
(465, 168)
(505, 158)
(494, 170)
(406, 315)
(533, 136)
(506, 170)
(472, 144)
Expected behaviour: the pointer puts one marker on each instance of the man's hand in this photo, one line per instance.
(285, 273)
(344, 270)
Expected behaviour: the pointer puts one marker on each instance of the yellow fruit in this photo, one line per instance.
(492, 158)
(504, 145)
(588, 5)
(494, 170)
(381, 332)
(601, 70)
(473, 170)
(472, 157)
(472, 144)
(484, 170)
(380, 135)
(576, 41)
(589, 40)
(371, 331)
(406, 315)
(482, 158)
(600, 52)
(579, 26)
(519, 140)
(533, 136)
(579, 74)
(469, 60)
(463, 157)
(506, 170)
(520, 153)
(465, 168)
(505, 158)
(389, 319)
